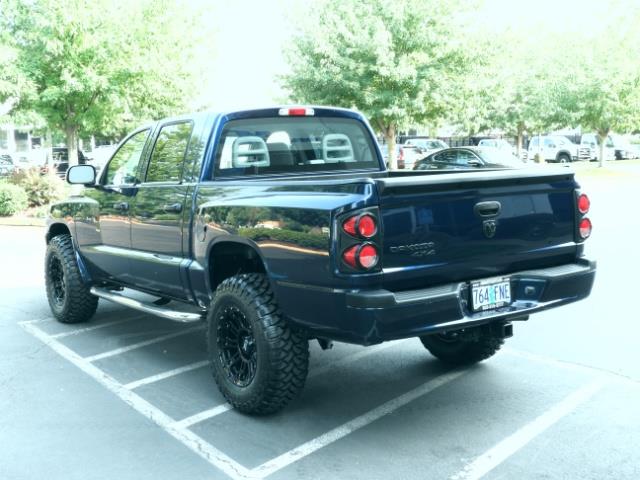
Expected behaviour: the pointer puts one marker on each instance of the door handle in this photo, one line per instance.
(172, 208)
(121, 206)
(487, 209)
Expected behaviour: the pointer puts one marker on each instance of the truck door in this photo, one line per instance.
(104, 235)
(159, 213)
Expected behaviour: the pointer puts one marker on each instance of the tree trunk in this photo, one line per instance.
(602, 137)
(520, 129)
(72, 144)
(389, 133)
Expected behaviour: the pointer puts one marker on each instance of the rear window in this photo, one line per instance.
(297, 145)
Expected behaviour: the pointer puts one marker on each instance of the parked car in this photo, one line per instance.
(502, 144)
(426, 145)
(555, 148)
(406, 155)
(469, 158)
(623, 149)
(591, 143)
(60, 160)
(353, 252)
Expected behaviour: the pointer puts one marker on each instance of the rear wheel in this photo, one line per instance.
(259, 362)
(463, 347)
(564, 158)
(69, 298)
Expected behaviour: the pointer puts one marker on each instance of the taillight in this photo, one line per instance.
(360, 225)
(583, 204)
(585, 228)
(359, 241)
(584, 224)
(361, 256)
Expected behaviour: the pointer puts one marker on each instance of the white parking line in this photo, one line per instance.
(212, 412)
(204, 415)
(167, 374)
(95, 327)
(128, 348)
(514, 442)
(194, 442)
(357, 423)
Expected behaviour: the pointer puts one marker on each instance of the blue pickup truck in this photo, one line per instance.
(282, 225)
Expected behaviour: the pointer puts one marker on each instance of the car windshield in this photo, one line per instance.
(263, 146)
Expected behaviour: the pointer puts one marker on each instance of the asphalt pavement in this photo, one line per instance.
(130, 396)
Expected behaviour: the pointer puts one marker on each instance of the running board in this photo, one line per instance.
(175, 315)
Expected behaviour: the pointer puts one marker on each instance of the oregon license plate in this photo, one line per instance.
(490, 293)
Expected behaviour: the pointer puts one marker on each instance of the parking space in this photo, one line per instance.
(464, 423)
(130, 396)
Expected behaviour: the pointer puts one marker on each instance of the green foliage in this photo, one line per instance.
(13, 199)
(40, 189)
(101, 66)
(394, 60)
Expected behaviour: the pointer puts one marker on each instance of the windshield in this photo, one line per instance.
(293, 145)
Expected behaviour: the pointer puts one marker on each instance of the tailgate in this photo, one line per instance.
(441, 228)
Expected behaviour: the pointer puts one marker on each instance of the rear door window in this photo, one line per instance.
(293, 145)
(167, 158)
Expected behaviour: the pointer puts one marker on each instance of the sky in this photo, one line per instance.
(250, 37)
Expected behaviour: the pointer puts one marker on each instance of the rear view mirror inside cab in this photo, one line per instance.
(250, 152)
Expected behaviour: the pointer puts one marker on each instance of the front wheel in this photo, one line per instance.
(259, 361)
(463, 347)
(69, 298)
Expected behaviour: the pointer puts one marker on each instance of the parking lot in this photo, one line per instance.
(131, 396)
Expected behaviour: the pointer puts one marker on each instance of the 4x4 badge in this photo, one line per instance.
(489, 228)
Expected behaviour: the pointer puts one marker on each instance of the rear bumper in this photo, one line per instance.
(372, 316)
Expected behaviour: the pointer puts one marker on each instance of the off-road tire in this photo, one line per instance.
(281, 352)
(76, 304)
(463, 351)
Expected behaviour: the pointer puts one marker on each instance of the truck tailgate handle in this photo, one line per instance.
(487, 209)
(172, 208)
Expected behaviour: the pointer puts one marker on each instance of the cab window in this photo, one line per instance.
(123, 167)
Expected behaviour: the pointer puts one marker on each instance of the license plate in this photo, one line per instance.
(491, 293)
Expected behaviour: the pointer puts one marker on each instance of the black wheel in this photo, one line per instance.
(564, 158)
(258, 361)
(68, 296)
(463, 347)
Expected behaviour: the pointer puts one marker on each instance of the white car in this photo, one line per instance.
(555, 148)
(591, 141)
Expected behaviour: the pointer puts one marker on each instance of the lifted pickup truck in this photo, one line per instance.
(282, 225)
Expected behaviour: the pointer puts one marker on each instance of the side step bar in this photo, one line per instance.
(177, 316)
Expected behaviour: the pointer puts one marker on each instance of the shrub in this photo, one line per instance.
(41, 189)
(13, 199)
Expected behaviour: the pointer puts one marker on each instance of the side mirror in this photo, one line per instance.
(81, 175)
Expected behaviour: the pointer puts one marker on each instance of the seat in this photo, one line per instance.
(280, 155)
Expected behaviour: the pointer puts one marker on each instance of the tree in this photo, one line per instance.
(98, 66)
(394, 60)
(604, 95)
(602, 91)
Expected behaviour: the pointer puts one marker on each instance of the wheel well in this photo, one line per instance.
(563, 153)
(228, 259)
(57, 229)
